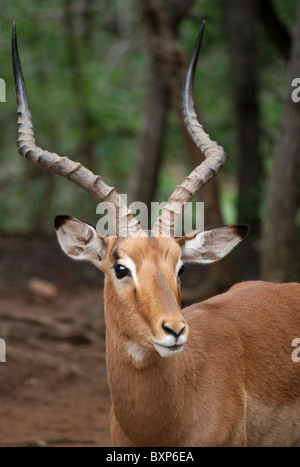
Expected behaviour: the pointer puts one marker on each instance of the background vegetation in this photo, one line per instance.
(96, 70)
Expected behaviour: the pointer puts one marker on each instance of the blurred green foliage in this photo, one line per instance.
(112, 59)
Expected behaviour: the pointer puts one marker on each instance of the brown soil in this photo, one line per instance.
(53, 386)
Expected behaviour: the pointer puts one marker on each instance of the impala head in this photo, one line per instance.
(142, 269)
(143, 277)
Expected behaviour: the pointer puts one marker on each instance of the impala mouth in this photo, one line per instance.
(169, 346)
(168, 350)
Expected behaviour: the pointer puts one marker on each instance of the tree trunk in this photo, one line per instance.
(151, 138)
(274, 27)
(150, 148)
(279, 257)
(240, 29)
(85, 150)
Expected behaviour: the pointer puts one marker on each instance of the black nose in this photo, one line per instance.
(172, 331)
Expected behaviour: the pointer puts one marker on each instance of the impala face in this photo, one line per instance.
(142, 283)
(143, 276)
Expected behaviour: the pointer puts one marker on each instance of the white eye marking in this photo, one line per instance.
(129, 264)
(179, 266)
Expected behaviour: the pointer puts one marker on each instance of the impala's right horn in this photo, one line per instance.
(215, 156)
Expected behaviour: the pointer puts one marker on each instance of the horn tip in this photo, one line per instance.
(14, 38)
(14, 29)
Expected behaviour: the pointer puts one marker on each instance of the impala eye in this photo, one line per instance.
(181, 271)
(121, 271)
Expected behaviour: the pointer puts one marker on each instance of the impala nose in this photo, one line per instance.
(174, 338)
(169, 330)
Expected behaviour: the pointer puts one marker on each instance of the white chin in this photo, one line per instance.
(168, 351)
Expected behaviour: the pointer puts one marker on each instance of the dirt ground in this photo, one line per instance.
(53, 386)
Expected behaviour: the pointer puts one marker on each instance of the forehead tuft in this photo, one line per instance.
(139, 248)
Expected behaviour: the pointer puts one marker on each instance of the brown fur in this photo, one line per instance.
(234, 384)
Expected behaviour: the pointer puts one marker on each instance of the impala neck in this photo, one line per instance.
(144, 386)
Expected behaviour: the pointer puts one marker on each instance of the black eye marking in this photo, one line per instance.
(115, 254)
(181, 271)
(121, 271)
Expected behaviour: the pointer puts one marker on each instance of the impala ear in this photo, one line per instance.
(79, 240)
(212, 245)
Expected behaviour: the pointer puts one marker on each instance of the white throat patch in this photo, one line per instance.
(136, 351)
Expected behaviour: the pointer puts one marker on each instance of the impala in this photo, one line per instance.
(218, 373)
